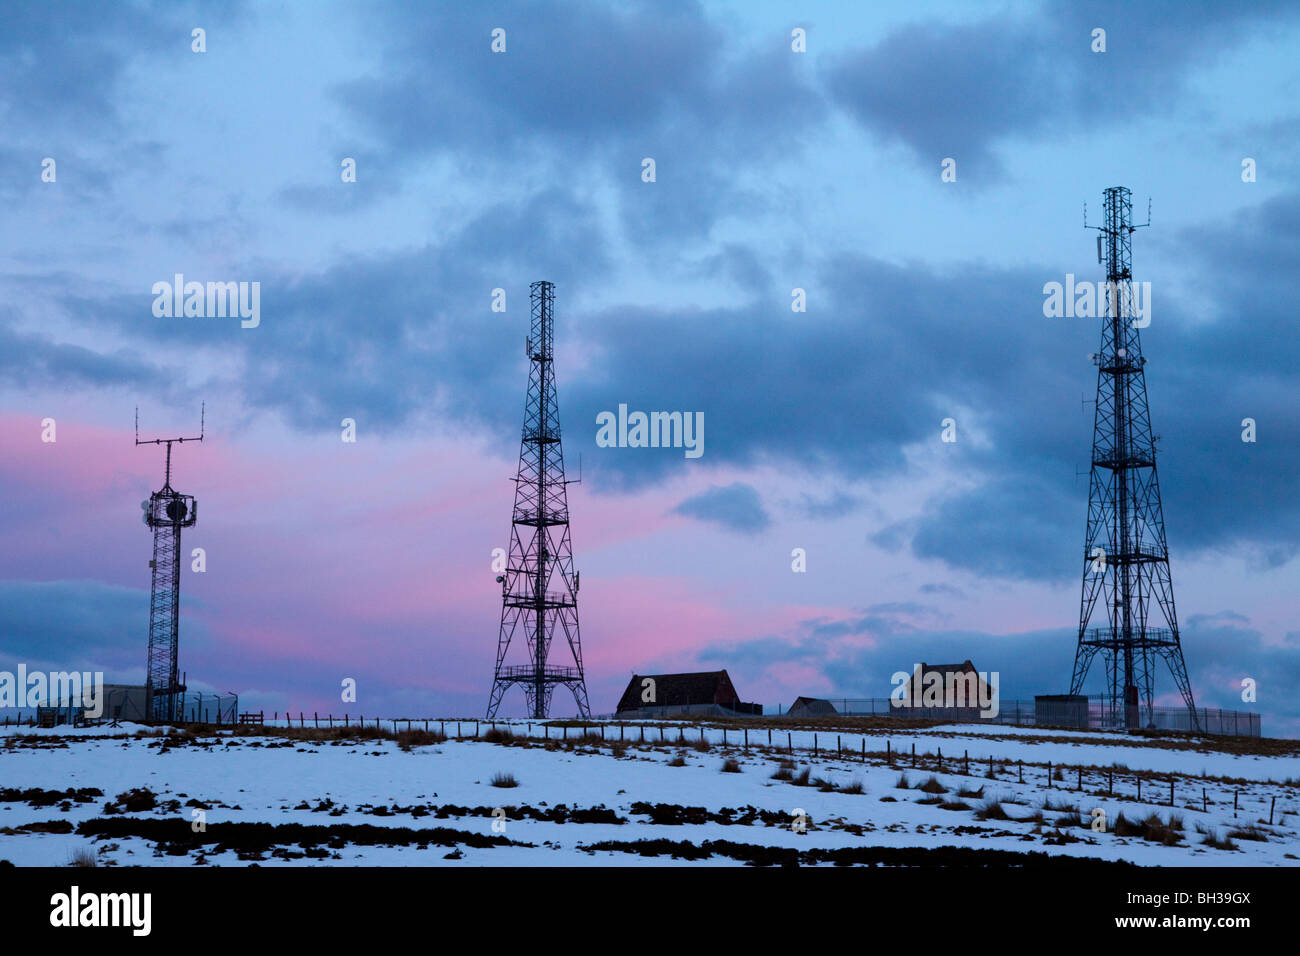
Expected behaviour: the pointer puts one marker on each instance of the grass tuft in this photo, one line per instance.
(933, 786)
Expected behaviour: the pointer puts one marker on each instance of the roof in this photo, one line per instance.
(964, 667)
(811, 706)
(700, 687)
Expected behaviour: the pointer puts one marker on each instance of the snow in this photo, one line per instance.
(254, 779)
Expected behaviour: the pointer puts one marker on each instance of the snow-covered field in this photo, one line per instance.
(277, 800)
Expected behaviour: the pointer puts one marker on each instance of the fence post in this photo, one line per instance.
(940, 760)
(1139, 789)
(788, 745)
(769, 736)
(914, 755)
(1020, 769)
(1049, 773)
(746, 738)
(965, 756)
(1204, 801)
(814, 745)
(1271, 807)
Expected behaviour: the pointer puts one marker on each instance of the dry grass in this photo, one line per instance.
(679, 760)
(731, 765)
(991, 811)
(504, 780)
(1248, 833)
(83, 856)
(1213, 840)
(933, 786)
(406, 739)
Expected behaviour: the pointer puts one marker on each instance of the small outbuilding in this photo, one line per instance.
(812, 707)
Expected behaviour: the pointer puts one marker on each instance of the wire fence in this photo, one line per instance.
(1082, 714)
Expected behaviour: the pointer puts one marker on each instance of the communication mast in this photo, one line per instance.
(539, 590)
(1128, 593)
(166, 512)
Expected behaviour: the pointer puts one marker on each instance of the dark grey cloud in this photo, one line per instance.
(63, 63)
(964, 90)
(36, 361)
(76, 625)
(585, 89)
(736, 507)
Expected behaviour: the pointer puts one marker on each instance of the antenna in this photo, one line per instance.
(166, 513)
(578, 480)
(539, 590)
(1136, 624)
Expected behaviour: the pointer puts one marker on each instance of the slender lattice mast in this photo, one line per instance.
(166, 512)
(1126, 559)
(539, 590)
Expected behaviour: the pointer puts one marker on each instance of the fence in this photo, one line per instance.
(209, 708)
(129, 704)
(1095, 715)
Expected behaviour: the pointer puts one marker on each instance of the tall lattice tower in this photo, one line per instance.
(166, 512)
(539, 590)
(1126, 558)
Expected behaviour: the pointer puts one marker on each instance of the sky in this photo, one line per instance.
(774, 170)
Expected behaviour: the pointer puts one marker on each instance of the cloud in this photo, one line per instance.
(31, 361)
(964, 90)
(76, 625)
(736, 507)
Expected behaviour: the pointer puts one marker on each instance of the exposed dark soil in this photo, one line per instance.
(849, 856)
